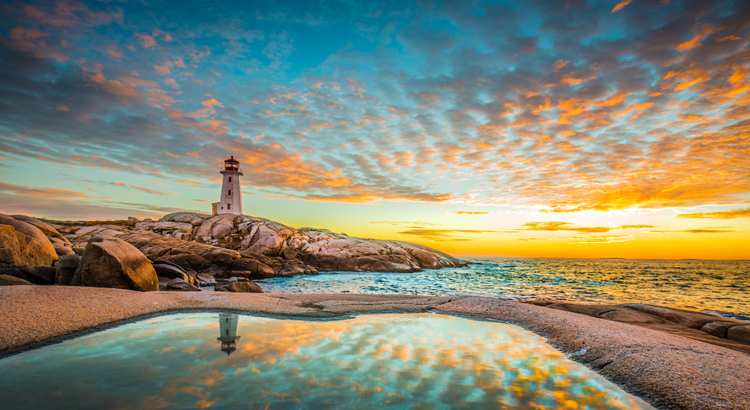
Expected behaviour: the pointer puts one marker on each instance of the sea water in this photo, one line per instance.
(718, 286)
(229, 361)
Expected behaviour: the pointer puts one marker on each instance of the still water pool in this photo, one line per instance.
(228, 361)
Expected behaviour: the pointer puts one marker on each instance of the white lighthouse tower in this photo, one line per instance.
(231, 196)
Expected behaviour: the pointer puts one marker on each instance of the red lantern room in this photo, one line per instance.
(232, 165)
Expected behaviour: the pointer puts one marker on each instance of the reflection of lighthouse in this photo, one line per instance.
(228, 336)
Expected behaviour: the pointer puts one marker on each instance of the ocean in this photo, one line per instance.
(721, 287)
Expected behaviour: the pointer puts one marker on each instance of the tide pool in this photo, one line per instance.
(229, 361)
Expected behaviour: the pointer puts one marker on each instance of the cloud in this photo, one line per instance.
(561, 226)
(471, 213)
(704, 230)
(27, 191)
(442, 234)
(147, 40)
(114, 52)
(211, 103)
(140, 188)
(620, 5)
(598, 239)
(734, 213)
(443, 104)
(553, 226)
(397, 223)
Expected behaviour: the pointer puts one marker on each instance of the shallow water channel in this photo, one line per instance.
(229, 361)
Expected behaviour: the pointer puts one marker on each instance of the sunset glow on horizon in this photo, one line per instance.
(542, 128)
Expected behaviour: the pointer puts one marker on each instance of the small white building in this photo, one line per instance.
(231, 196)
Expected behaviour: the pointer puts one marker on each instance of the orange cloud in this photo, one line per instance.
(561, 226)
(637, 107)
(705, 31)
(114, 52)
(33, 41)
(471, 213)
(620, 5)
(598, 239)
(734, 213)
(164, 70)
(442, 234)
(147, 40)
(26, 190)
(704, 230)
(212, 102)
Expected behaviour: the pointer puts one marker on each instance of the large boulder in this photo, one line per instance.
(243, 287)
(114, 263)
(19, 249)
(31, 232)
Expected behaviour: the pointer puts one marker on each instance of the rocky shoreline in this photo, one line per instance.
(187, 250)
(668, 370)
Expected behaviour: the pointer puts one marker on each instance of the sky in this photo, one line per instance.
(536, 128)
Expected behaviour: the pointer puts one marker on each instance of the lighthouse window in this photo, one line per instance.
(229, 192)
(227, 332)
(229, 206)
(230, 179)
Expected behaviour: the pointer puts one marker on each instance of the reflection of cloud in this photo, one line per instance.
(734, 213)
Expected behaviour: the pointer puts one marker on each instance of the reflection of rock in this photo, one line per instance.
(241, 287)
(228, 332)
(114, 263)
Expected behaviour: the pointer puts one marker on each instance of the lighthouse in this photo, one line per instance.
(231, 197)
(228, 332)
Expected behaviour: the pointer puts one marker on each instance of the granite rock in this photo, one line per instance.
(19, 249)
(243, 287)
(114, 263)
